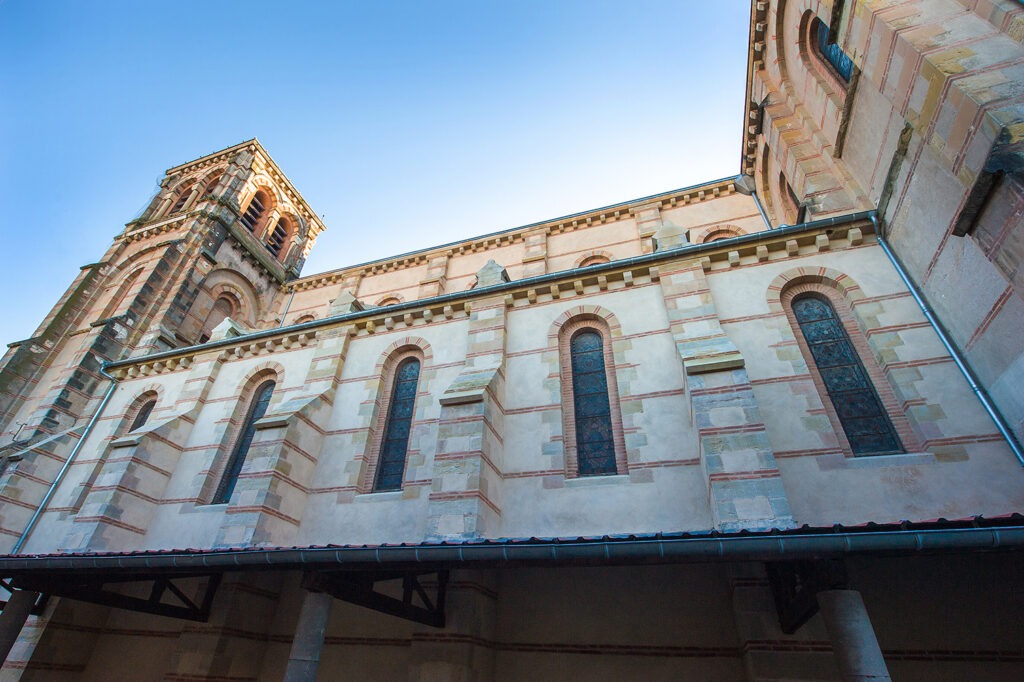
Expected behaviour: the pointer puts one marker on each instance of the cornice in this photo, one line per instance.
(755, 62)
(316, 226)
(156, 228)
(598, 216)
(830, 234)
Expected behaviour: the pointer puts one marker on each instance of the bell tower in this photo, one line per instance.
(220, 238)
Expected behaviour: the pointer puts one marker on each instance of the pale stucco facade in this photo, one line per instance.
(721, 426)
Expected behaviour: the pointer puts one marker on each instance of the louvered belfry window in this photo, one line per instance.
(395, 444)
(183, 194)
(257, 409)
(595, 444)
(275, 242)
(254, 212)
(860, 410)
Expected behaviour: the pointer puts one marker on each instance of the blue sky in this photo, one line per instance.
(404, 124)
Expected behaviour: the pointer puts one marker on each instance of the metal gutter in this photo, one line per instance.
(712, 547)
(951, 348)
(691, 250)
(65, 467)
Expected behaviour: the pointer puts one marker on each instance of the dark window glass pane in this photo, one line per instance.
(257, 409)
(595, 445)
(832, 53)
(397, 427)
(860, 411)
(143, 415)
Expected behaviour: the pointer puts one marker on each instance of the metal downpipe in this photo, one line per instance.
(66, 466)
(953, 351)
(760, 209)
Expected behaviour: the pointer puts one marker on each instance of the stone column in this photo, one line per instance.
(304, 657)
(13, 619)
(853, 639)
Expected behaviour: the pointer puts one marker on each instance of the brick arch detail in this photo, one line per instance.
(260, 373)
(843, 293)
(387, 297)
(595, 253)
(400, 346)
(591, 312)
(232, 282)
(829, 277)
(705, 234)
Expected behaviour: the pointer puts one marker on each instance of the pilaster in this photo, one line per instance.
(744, 484)
(462, 652)
(129, 481)
(465, 493)
(273, 486)
(535, 258)
(433, 283)
(648, 222)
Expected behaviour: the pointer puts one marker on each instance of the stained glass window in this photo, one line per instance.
(395, 444)
(257, 409)
(853, 396)
(595, 445)
(831, 52)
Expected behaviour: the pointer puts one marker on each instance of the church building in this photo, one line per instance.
(765, 427)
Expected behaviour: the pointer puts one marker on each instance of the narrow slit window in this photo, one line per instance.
(142, 416)
(276, 239)
(395, 444)
(257, 409)
(595, 443)
(254, 212)
(861, 412)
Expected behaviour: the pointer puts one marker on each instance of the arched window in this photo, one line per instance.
(595, 441)
(791, 204)
(718, 235)
(258, 408)
(211, 182)
(254, 212)
(593, 260)
(142, 416)
(390, 300)
(861, 412)
(395, 442)
(183, 196)
(829, 52)
(223, 308)
(277, 237)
